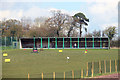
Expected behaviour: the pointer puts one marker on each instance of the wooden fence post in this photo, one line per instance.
(87, 70)
(110, 65)
(105, 65)
(99, 66)
(92, 69)
(115, 65)
(42, 75)
(81, 73)
(72, 74)
(53, 75)
(64, 75)
(28, 76)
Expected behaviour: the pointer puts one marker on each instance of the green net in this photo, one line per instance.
(48, 75)
(59, 75)
(89, 69)
(35, 75)
(118, 65)
(10, 43)
(108, 66)
(96, 67)
(77, 74)
(68, 74)
(3, 43)
(102, 67)
(84, 73)
(113, 66)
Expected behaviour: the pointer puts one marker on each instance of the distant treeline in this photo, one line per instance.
(58, 25)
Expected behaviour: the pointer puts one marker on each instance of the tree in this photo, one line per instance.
(89, 35)
(114, 43)
(81, 19)
(14, 31)
(68, 26)
(57, 20)
(39, 21)
(11, 27)
(42, 31)
(110, 32)
(2, 27)
(97, 33)
(74, 32)
(71, 26)
(103, 34)
(26, 23)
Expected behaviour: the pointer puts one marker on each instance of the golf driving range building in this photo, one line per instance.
(65, 42)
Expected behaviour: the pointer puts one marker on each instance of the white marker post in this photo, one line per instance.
(68, 59)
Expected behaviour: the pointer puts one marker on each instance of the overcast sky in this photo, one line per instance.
(102, 13)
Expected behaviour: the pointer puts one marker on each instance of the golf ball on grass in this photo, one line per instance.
(68, 57)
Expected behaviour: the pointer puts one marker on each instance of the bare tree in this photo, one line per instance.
(69, 26)
(97, 33)
(26, 22)
(88, 35)
(39, 21)
(42, 31)
(57, 20)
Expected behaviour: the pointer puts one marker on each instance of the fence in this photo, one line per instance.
(10, 43)
(92, 69)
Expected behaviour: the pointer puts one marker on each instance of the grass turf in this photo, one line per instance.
(48, 61)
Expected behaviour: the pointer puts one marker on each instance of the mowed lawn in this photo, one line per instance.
(48, 61)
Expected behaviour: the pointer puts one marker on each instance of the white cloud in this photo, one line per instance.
(104, 7)
(4, 13)
(17, 14)
(20, 13)
(32, 12)
(104, 13)
(8, 14)
(6, 5)
(36, 12)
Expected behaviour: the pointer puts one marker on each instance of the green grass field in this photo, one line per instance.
(48, 61)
